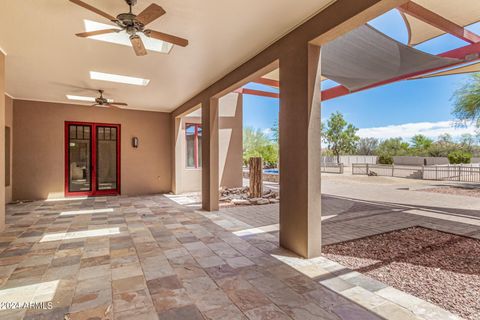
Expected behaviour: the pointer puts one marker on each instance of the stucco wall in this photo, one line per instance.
(9, 123)
(2, 141)
(420, 161)
(38, 148)
(230, 147)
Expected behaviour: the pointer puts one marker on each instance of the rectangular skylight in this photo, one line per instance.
(94, 75)
(83, 98)
(80, 98)
(123, 38)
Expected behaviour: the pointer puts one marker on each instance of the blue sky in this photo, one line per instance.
(399, 109)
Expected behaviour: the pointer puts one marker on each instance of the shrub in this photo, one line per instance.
(459, 157)
(385, 159)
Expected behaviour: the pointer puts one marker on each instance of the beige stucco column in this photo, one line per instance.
(210, 160)
(177, 155)
(2, 141)
(300, 134)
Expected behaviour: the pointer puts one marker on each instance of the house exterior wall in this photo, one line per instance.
(2, 141)
(9, 123)
(191, 178)
(230, 147)
(38, 148)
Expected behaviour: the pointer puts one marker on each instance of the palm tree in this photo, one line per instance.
(467, 102)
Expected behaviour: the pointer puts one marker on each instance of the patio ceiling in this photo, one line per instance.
(45, 60)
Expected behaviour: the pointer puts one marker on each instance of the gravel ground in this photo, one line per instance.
(439, 267)
(460, 191)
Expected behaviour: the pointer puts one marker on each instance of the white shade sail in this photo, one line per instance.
(365, 57)
(471, 68)
(461, 12)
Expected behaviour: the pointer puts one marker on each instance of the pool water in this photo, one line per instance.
(271, 171)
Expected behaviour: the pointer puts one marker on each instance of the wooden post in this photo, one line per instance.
(256, 177)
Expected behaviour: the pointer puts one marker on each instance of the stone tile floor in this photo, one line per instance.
(148, 258)
(151, 258)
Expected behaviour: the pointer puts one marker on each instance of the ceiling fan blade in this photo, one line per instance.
(119, 104)
(138, 46)
(166, 37)
(151, 13)
(96, 33)
(93, 9)
(112, 105)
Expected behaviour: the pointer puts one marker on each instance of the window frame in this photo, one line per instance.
(195, 146)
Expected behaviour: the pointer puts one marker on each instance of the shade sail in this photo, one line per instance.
(365, 56)
(461, 12)
(471, 68)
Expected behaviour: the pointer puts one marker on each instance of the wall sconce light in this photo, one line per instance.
(135, 142)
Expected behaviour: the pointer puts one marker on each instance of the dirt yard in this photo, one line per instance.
(435, 266)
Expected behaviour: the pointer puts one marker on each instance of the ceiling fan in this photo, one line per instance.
(133, 24)
(100, 101)
(103, 102)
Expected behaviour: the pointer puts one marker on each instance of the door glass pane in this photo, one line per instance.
(190, 135)
(79, 147)
(106, 159)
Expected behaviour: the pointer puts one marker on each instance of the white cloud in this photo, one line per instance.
(268, 132)
(408, 130)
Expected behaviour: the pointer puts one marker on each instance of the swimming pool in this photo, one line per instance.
(271, 171)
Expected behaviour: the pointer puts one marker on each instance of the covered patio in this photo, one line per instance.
(146, 257)
(92, 231)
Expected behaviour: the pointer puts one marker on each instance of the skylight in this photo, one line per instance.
(80, 98)
(123, 38)
(94, 75)
(83, 98)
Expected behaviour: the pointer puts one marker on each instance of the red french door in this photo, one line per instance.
(92, 159)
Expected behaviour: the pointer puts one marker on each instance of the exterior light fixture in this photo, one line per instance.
(135, 142)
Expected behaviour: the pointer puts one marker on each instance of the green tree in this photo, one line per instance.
(443, 146)
(467, 101)
(257, 144)
(367, 146)
(340, 136)
(275, 132)
(420, 144)
(459, 157)
(393, 147)
(467, 142)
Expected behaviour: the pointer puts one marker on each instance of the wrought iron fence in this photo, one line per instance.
(332, 167)
(452, 173)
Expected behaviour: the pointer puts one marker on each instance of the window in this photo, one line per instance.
(193, 133)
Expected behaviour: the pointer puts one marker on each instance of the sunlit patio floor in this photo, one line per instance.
(151, 258)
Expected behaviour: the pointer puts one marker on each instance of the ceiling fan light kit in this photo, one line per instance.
(133, 24)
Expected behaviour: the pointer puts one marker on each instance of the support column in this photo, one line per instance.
(300, 154)
(210, 159)
(177, 155)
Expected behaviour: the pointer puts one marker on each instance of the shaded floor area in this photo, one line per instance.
(149, 258)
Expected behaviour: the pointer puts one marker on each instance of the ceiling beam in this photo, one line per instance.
(268, 82)
(433, 19)
(259, 93)
(467, 53)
